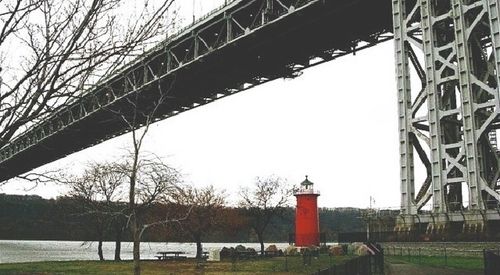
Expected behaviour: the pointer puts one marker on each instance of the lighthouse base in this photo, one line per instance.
(307, 241)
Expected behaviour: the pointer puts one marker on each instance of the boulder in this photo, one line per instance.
(362, 250)
(240, 248)
(291, 250)
(272, 248)
(251, 252)
(226, 252)
(336, 250)
(353, 248)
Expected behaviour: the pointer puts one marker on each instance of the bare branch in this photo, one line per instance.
(56, 176)
(60, 48)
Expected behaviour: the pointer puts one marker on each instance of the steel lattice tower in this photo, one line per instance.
(452, 49)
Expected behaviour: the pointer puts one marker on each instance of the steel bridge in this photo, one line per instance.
(241, 45)
(451, 48)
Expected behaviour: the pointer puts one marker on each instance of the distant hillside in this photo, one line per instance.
(35, 218)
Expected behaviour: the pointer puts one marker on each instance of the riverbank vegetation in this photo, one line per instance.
(35, 218)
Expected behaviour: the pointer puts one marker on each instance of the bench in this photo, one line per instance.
(170, 255)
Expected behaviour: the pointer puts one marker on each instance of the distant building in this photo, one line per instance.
(306, 215)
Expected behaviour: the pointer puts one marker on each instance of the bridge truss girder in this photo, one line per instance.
(242, 45)
(452, 48)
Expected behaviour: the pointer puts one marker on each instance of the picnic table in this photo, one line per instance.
(167, 255)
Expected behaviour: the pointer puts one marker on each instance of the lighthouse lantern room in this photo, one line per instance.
(306, 215)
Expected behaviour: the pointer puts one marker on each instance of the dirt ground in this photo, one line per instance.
(409, 269)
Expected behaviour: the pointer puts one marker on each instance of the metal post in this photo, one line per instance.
(485, 261)
(286, 262)
(445, 257)
(368, 229)
(419, 256)
(229, 28)
(196, 47)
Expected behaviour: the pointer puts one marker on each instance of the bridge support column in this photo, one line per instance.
(407, 184)
(453, 48)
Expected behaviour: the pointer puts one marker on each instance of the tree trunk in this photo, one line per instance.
(137, 244)
(261, 241)
(136, 235)
(99, 250)
(199, 248)
(100, 236)
(118, 243)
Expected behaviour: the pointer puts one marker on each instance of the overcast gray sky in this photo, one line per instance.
(336, 123)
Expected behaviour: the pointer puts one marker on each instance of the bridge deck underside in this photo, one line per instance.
(275, 49)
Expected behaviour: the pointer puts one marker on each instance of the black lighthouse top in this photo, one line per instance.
(306, 188)
(306, 183)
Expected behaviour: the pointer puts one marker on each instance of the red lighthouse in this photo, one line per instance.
(306, 215)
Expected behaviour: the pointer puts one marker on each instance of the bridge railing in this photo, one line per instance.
(171, 38)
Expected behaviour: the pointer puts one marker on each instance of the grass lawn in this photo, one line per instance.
(464, 263)
(276, 265)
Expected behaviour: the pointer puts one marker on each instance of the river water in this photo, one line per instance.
(37, 251)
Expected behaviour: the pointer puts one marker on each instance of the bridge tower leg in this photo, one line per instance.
(452, 47)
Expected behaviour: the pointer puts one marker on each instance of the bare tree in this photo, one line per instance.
(61, 50)
(53, 51)
(150, 182)
(100, 190)
(206, 212)
(265, 200)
